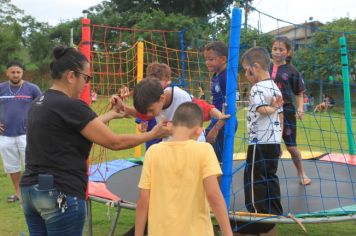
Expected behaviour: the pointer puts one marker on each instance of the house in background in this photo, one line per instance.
(300, 35)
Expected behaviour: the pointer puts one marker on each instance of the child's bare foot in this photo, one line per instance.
(304, 180)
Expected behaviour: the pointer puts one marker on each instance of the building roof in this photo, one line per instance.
(297, 31)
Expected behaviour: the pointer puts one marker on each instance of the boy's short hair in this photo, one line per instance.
(189, 115)
(145, 93)
(15, 63)
(219, 47)
(161, 71)
(257, 55)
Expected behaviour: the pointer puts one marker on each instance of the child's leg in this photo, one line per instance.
(289, 137)
(247, 179)
(271, 155)
(262, 192)
(297, 160)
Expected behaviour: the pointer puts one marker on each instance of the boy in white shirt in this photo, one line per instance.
(262, 191)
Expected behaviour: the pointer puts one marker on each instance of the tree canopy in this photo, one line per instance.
(22, 36)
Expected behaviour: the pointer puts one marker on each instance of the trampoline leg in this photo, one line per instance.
(90, 220)
(115, 220)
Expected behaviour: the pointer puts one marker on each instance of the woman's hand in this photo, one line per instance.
(117, 104)
(162, 130)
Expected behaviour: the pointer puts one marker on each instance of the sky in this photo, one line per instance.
(55, 11)
(299, 11)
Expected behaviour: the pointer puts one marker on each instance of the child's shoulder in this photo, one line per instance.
(203, 146)
(223, 74)
(194, 144)
(291, 69)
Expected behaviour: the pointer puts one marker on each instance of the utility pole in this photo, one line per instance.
(71, 41)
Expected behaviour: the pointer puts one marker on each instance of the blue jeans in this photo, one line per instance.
(44, 217)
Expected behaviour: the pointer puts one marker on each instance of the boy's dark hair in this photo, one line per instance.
(145, 93)
(158, 70)
(15, 63)
(257, 55)
(66, 58)
(188, 115)
(219, 47)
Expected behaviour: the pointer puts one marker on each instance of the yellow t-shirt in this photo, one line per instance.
(174, 173)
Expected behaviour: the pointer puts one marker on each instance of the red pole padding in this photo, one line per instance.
(85, 49)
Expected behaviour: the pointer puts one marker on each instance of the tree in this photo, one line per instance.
(10, 32)
(10, 43)
(9, 13)
(321, 58)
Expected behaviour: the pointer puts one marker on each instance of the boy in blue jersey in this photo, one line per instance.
(216, 54)
(16, 96)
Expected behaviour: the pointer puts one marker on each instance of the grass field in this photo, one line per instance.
(321, 132)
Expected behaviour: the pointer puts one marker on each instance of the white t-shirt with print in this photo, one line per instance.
(263, 129)
(179, 96)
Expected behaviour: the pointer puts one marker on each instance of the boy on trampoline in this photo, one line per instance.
(178, 204)
(262, 191)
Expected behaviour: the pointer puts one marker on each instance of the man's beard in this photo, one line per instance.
(15, 82)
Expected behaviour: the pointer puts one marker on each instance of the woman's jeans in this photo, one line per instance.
(45, 217)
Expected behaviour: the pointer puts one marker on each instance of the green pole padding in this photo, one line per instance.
(347, 97)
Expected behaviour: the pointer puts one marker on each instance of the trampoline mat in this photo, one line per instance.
(332, 186)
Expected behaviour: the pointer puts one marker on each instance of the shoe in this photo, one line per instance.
(12, 198)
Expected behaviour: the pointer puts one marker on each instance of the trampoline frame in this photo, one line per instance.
(118, 205)
(273, 219)
(285, 220)
(237, 216)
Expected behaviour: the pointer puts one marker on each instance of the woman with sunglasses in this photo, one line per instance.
(60, 132)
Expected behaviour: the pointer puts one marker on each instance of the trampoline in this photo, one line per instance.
(332, 192)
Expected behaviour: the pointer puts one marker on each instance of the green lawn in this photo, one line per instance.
(323, 132)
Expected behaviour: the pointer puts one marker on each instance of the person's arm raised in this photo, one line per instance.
(97, 132)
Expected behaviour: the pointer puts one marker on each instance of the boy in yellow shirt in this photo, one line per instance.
(179, 182)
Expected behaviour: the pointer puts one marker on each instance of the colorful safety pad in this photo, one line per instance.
(306, 155)
(340, 158)
(100, 190)
(346, 210)
(102, 171)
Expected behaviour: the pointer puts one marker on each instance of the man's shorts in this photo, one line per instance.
(12, 151)
(289, 126)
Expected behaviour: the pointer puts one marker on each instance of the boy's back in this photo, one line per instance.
(174, 174)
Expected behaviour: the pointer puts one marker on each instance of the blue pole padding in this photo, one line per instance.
(231, 88)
